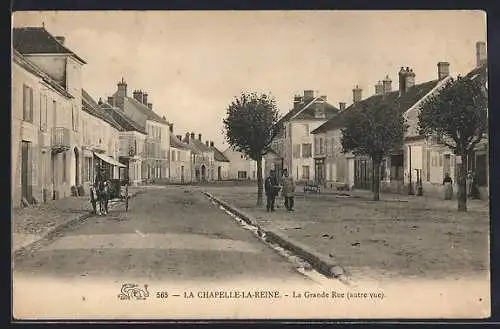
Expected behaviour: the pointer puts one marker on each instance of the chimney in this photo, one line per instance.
(206, 143)
(211, 144)
(379, 88)
(111, 101)
(144, 98)
(342, 106)
(186, 138)
(60, 39)
(138, 95)
(443, 70)
(171, 127)
(356, 94)
(308, 95)
(297, 99)
(121, 94)
(406, 80)
(192, 135)
(199, 137)
(179, 137)
(481, 54)
(387, 85)
(323, 97)
(150, 106)
(100, 101)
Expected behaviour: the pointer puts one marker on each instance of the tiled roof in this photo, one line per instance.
(120, 117)
(37, 40)
(175, 142)
(218, 155)
(307, 109)
(482, 71)
(200, 145)
(144, 109)
(90, 106)
(413, 94)
(27, 65)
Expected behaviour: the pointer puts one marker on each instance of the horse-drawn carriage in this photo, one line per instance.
(105, 190)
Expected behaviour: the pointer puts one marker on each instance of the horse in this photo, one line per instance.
(99, 193)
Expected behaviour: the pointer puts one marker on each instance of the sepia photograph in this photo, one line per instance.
(229, 165)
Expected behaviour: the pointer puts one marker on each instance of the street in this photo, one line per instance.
(169, 234)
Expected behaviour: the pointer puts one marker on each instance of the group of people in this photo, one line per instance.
(471, 184)
(272, 187)
(99, 192)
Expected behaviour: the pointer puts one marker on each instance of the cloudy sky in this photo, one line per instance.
(193, 63)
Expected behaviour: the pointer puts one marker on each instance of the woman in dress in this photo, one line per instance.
(448, 187)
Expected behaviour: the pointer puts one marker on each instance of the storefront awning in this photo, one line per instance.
(109, 160)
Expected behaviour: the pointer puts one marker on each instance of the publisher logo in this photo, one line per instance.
(132, 291)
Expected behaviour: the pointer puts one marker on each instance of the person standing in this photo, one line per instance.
(448, 187)
(271, 187)
(288, 190)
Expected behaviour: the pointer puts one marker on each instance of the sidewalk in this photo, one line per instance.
(33, 223)
(399, 236)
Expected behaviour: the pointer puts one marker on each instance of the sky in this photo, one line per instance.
(193, 63)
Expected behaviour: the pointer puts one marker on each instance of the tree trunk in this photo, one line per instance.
(376, 178)
(260, 186)
(462, 184)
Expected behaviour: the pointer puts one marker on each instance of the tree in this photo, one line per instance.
(250, 127)
(373, 130)
(458, 115)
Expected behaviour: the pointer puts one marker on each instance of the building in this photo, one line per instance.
(242, 166)
(180, 160)
(100, 142)
(203, 157)
(430, 157)
(46, 111)
(132, 143)
(155, 161)
(221, 164)
(293, 147)
(355, 171)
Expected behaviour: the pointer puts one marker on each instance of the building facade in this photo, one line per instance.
(294, 145)
(244, 168)
(46, 116)
(202, 156)
(180, 160)
(222, 164)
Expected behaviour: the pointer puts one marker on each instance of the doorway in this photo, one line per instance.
(26, 188)
(203, 173)
(219, 173)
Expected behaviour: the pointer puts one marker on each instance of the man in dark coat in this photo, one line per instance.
(271, 189)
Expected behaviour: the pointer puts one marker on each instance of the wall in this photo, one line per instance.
(54, 65)
(299, 135)
(239, 162)
(177, 162)
(41, 163)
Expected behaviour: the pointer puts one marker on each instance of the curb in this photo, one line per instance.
(58, 228)
(323, 264)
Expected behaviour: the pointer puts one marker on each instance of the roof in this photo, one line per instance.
(413, 95)
(90, 106)
(306, 110)
(176, 143)
(120, 117)
(200, 145)
(37, 40)
(144, 109)
(481, 70)
(218, 155)
(27, 65)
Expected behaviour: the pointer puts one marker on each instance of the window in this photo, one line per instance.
(178, 155)
(305, 172)
(320, 146)
(296, 151)
(173, 155)
(306, 129)
(307, 150)
(440, 159)
(327, 150)
(88, 169)
(242, 175)
(43, 112)
(27, 103)
(428, 166)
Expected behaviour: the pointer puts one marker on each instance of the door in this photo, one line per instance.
(182, 174)
(26, 188)
(482, 170)
(447, 165)
(219, 173)
(203, 172)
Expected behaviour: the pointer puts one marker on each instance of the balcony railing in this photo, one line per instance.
(60, 139)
